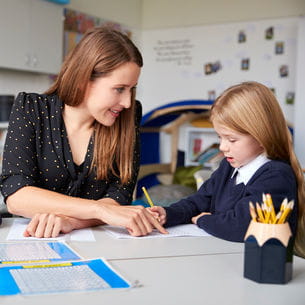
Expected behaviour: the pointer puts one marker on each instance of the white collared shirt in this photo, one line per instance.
(244, 173)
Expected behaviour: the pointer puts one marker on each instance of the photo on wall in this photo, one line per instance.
(279, 47)
(283, 71)
(245, 64)
(269, 33)
(242, 37)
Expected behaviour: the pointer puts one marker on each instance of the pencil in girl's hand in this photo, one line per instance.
(147, 196)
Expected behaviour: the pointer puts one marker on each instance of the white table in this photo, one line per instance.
(189, 278)
(111, 248)
(205, 279)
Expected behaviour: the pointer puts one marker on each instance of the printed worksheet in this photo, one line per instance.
(19, 225)
(63, 277)
(35, 251)
(176, 231)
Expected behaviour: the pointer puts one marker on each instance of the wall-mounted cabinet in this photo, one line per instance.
(31, 36)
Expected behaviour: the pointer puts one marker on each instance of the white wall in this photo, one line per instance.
(127, 12)
(180, 13)
(299, 137)
(164, 14)
(153, 14)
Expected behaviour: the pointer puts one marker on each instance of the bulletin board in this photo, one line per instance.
(200, 62)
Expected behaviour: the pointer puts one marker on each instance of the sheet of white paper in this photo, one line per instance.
(30, 251)
(176, 231)
(19, 226)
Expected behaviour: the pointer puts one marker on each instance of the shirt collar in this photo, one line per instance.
(246, 172)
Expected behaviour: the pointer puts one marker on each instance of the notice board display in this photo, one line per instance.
(200, 62)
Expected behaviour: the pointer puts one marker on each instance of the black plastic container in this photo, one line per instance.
(268, 253)
(6, 103)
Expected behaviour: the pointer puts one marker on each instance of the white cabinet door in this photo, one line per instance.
(46, 36)
(14, 33)
(31, 35)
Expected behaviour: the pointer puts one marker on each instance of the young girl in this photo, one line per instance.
(259, 158)
(71, 155)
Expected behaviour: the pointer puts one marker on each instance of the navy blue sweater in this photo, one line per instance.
(229, 203)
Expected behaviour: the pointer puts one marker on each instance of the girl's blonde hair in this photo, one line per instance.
(100, 51)
(251, 108)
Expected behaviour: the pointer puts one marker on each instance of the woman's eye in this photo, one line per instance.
(120, 90)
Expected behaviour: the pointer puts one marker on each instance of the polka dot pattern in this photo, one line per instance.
(37, 153)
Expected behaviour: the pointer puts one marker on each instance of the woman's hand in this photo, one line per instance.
(48, 225)
(195, 218)
(136, 219)
(159, 213)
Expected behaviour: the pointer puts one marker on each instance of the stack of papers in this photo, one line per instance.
(43, 267)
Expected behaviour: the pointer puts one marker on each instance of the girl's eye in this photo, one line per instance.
(120, 90)
(232, 140)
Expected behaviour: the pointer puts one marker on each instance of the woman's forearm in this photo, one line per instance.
(30, 200)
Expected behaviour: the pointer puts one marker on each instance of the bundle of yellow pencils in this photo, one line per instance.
(265, 212)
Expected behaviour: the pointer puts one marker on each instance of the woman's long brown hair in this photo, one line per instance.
(99, 52)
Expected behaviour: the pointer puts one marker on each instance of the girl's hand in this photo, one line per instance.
(159, 213)
(48, 225)
(195, 218)
(136, 219)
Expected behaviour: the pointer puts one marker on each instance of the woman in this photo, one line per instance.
(71, 155)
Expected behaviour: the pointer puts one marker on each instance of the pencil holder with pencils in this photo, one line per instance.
(269, 245)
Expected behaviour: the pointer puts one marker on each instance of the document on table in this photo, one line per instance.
(19, 225)
(69, 276)
(176, 231)
(35, 251)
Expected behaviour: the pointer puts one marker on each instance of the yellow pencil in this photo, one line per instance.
(252, 211)
(270, 204)
(278, 216)
(147, 196)
(286, 212)
(284, 204)
(260, 213)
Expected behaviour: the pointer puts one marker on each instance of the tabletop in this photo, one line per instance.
(178, 271)
(188, 280)
(112, 248)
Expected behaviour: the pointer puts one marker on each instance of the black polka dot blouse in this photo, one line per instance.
(37, 153)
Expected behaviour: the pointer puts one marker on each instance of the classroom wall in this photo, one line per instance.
(127, 12)
(166, 14)
(299, 126)
(147, 14)
(158, 14)
(180, 13)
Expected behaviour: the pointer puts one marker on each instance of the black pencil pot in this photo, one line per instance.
(268, 253)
